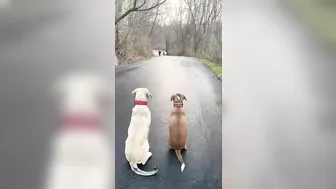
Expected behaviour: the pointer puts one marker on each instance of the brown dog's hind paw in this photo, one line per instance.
(185, 147)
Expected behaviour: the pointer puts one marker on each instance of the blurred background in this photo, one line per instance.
(279, 92)
(39, 41)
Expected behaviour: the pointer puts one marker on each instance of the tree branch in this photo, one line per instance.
(141, 5)
(135, 8)
(150, 8)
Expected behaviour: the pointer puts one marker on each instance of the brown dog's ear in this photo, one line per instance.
(172, 97)
(183, 97)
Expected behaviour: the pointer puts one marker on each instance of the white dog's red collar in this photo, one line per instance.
(139, 102)
(178, 105)
(81, 122)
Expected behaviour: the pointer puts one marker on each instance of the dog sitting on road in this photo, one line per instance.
(81, 154)
(178, 127)
(136, 144)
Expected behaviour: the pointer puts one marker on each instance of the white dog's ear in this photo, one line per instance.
(148, 94)
(135, 91)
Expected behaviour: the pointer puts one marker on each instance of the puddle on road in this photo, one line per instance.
(163, 121)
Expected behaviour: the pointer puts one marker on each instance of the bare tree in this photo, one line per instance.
(138, 8)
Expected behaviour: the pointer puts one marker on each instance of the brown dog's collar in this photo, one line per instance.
(178, 105)
(140, 102)
(81, 122)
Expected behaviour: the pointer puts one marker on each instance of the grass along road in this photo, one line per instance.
(215, 68)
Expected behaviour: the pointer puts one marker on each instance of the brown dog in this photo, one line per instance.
(178, 127)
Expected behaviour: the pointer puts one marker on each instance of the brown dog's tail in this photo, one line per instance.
(180, 158)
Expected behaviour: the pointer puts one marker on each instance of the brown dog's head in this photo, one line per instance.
(178, 98)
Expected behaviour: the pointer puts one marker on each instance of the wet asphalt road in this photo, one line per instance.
(164, 76)
(39, 41)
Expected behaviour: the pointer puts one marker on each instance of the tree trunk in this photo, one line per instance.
(151, 32)
(167, 46)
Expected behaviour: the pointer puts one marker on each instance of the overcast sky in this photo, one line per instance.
(170, 10)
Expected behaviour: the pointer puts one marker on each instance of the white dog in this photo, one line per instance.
(136, 144)
(81, 157)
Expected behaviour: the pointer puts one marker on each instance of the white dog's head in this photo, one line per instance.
(141, 94)
(82, 93)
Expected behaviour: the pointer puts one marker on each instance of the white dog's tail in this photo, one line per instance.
(180, 158)
(138, 171)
